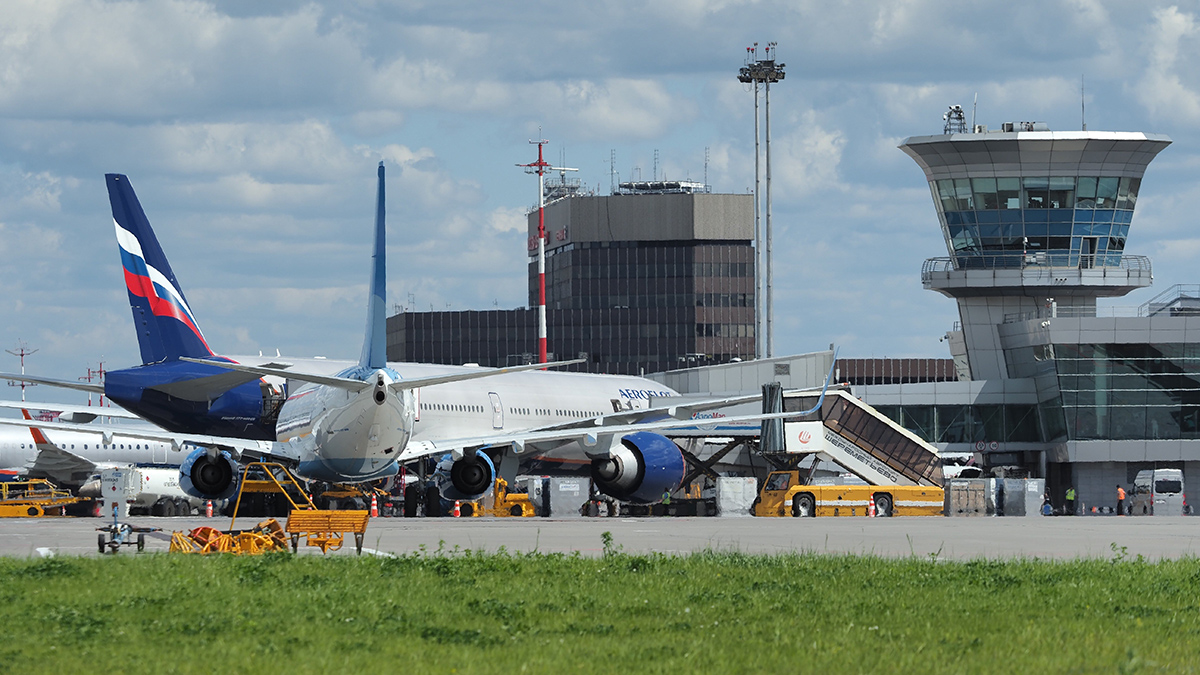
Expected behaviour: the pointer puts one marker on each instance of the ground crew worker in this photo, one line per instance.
(1120, 501)
(1070, 500)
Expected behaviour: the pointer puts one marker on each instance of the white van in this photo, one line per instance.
(1158, 492)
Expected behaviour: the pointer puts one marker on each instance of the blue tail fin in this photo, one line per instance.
(374, 352)
(166, 328)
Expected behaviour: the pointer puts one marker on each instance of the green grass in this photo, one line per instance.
(710, 612)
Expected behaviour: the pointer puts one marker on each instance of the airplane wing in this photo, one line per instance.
(78, 413)
(64, 384)
(238, 445)
(58, 465)
(352, 384)
(593, 433)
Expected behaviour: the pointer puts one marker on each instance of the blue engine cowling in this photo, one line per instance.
(209, 475)
(466, 479)
(640, 469)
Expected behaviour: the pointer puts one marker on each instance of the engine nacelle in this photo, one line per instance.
(640, 469)
(209, 475)
(465, 479)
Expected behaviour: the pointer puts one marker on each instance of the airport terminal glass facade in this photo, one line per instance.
(1063, 221)
(1116, 391)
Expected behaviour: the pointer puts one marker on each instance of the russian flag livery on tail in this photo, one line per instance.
(166, 327)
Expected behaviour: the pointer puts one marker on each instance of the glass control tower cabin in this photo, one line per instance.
(1036, 224)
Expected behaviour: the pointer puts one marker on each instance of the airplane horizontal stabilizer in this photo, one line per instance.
(64, 384)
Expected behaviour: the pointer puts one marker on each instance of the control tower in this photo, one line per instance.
(1035, 223)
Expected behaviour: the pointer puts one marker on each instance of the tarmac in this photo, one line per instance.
(1104, 537)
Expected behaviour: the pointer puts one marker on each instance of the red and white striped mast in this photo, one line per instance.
(540, 167)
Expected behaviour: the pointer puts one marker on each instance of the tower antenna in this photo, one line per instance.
(974, 105)
(540, 167)
(21, 352)
(1082, 104)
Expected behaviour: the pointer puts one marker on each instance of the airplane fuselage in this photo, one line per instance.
(343, 435)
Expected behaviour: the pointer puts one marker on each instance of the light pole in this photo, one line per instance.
(763, 71)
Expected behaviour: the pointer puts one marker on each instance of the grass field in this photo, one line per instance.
(714, 612)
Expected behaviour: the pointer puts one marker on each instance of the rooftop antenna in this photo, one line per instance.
(656, 164)
(612, 171)
(974, 105)
(706, 168)
(21, 352)
(1082, 104)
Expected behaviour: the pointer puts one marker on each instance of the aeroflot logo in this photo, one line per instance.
(641, 393)
(805, 437)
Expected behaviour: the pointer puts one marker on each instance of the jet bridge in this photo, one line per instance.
(861, 439)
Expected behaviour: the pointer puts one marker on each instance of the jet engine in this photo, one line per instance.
(640, 469)
(467, 478)
(209, 474)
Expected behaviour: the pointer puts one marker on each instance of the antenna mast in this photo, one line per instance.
(21, 352)
(540, 167)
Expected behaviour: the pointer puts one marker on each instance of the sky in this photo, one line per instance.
(251, 132)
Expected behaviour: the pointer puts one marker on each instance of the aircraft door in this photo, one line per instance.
(159, 453)
(497, 411)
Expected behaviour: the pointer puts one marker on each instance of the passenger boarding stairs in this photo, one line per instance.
(859, 438)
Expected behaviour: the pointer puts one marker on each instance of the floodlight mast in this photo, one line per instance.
(765, 71)
(540, 167)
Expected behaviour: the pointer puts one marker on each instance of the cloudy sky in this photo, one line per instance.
(251, 132)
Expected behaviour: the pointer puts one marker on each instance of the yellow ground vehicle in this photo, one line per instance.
(784, 494)
(507, 504)
(515, 504)
(33, 497)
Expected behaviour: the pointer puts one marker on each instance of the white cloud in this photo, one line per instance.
(1161, 89)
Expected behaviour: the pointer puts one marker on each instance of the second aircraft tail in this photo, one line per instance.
(166, 328)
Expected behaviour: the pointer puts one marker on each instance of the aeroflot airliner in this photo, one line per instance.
(350, 422)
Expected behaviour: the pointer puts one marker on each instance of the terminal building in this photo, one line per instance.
(1049, 383)
(656, 276)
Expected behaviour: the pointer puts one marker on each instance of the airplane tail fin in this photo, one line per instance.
(164, 322)
(374, 352)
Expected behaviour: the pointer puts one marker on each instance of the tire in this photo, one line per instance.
(32, 511)
(433, 502)
(467, 510)
(168, 509)
(182, 507)
(156, 509)
(141, 542)
(102, 544)
(412, 497)
(515, 511)
(803, 506)
(883, 506)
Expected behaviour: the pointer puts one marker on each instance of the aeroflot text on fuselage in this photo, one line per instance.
(643, 393)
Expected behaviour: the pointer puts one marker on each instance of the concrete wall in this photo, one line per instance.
(665, 217)
(747, 377)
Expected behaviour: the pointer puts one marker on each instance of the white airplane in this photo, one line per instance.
(359, 422)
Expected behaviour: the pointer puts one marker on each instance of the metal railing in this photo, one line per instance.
(1016, 260)
(1123, 311)
(1178, 300)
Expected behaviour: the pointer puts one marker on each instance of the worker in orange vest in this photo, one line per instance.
(1120, 501)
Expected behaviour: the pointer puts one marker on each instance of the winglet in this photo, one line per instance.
(374, 352)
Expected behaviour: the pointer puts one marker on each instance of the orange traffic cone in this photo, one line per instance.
(457, 508)
(208, 509)
(871, 506)
(374, 507)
